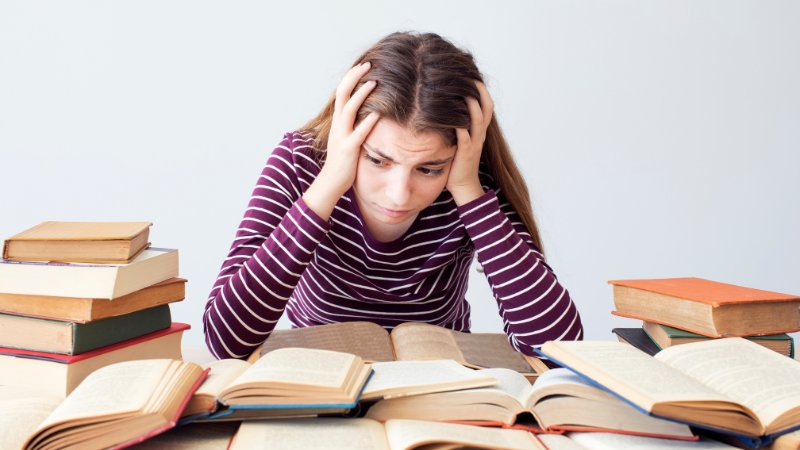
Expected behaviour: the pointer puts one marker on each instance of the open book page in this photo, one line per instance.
(750, 374)
(406, 434)
(629, 372)
(21, 412)
(121, 388)
(420, 341)
(511, 383)
(293, 367)
(559, 442)
(610, 441)
(310, 434)
(368, 340)
(564, 381)
(400, 378)
(222, 374)
(490, 350)
(205, 436)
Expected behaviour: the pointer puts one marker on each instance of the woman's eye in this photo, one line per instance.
(430, 172)
(374, 161)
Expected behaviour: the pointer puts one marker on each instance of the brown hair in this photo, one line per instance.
(422, 80)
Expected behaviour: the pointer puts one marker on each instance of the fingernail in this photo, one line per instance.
(366, 64)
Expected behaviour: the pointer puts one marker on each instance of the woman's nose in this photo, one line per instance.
(398, 189)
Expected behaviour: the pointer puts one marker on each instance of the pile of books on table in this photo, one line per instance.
(77, 296)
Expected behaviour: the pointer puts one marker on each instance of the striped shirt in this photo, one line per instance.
(286, 258)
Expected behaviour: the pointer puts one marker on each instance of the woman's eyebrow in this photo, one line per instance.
(434, 162)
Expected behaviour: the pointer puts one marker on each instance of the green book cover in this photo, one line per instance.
(676, 333)
(100, 333)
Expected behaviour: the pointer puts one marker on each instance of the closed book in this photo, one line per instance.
(665, 336)
(75, 309)
(98, 242)
(59, 374)
(71, 338)
(707, 307)
(88, 280)
(637, 338)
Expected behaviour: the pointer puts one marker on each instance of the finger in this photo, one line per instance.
(363, 129)
(487, 104)
(351, 108)
(463, 138)
(348, 83)
(475, 116)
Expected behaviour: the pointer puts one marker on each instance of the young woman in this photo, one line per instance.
(376, 208)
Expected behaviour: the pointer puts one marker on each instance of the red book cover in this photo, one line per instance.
(69, 359)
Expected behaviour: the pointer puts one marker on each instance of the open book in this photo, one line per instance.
(608, 441)
(559, 400)
(730, 385)
(408, 341)
(284, 382)
(117, 405)
(347, 434)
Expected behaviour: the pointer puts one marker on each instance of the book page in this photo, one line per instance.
(762, 380)
(560, 442)
(629, 372)
(420, 341)
(490, 350)
(368, 340)
(511, 382)
(399, 378)
(300, 366)
(612, 441)
(194, 436)
(404, 434)
(223, 372)
(310, 434)
(22, 410)
(115, 389)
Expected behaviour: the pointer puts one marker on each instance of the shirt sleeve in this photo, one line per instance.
(535, 308)
(274, 243)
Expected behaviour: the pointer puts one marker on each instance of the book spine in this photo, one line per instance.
(99, 333)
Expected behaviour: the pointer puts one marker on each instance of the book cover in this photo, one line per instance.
(71, 338)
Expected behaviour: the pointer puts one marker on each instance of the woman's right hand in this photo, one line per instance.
(344, 144)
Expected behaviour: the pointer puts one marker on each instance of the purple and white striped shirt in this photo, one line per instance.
(285, 257)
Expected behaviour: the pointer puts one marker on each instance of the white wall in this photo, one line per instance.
(659, 138)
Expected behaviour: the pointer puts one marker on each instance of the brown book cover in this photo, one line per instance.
(707, 307)
(90, 242)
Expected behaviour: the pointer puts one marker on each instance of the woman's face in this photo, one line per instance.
(399, 174)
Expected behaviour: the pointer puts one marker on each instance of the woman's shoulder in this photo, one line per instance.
(297, 149)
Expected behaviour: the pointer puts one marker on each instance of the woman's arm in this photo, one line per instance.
(535, 308)
(274, 243)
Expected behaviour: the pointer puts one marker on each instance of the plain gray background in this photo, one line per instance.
(658, 138)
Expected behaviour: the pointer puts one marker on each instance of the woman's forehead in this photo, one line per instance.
(400, 143)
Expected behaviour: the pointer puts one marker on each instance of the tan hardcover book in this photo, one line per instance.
(88, 242)
(119, 405)
(59, 374)
(408, 341)
(707, 307)
(665, 336)
(111, 281)
(558, 401)
(284, 382)
(710, 384)
(346, 434)
(81, 310)
(789, 441)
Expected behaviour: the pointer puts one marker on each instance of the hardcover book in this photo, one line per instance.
(88, 280)
(88, 242)
(707, 307)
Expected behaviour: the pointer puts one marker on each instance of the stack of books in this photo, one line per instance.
(77, 296)
(677, 311)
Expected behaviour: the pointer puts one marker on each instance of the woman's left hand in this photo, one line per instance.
(462, 181)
